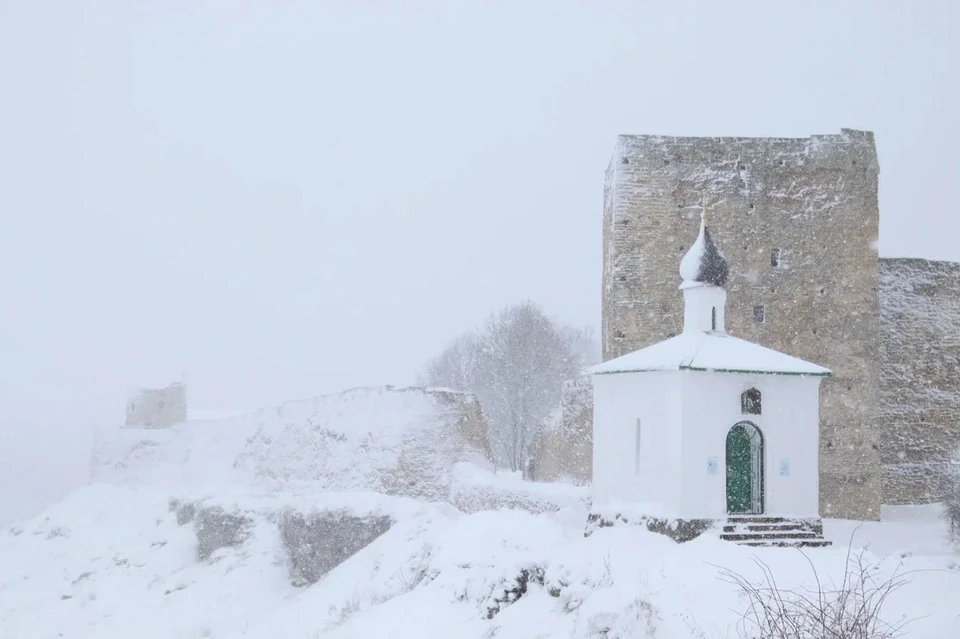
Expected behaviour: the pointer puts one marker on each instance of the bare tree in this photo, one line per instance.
(455, 367)
(516, 365)
(583, 344)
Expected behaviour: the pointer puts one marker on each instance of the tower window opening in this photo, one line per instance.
(775, 257)
(759, 316)
(750, 402)
(713, 318)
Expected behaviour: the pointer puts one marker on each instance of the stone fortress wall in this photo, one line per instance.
(798, 220)
(920, 378)
(562, 448)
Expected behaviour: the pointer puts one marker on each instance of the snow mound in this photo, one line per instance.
(392, 441)
(475, 490)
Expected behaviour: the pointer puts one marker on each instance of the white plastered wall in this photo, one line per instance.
(619, 400)
(789, 423)
(685, 417)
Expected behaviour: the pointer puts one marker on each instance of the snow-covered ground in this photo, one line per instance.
(229, 529)
(112, 561)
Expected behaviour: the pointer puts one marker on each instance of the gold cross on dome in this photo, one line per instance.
(704, 205)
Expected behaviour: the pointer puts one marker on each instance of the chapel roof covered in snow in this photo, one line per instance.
(708, 351)
(704, 263)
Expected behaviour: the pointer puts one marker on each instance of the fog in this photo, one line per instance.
(276, 200)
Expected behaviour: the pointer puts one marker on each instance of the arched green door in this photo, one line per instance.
(744, 470)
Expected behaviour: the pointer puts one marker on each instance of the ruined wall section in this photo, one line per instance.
(562, 450)
(920, 377)
(812, 199)
(157, 408)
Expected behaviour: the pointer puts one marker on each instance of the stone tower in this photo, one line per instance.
(797, 219)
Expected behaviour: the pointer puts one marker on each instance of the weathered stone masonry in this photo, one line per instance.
(920, 377)
(798, 221)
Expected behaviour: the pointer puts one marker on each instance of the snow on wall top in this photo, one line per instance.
(695, 350)
(823, 149)
(396, 441)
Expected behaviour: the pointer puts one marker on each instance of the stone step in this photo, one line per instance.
(799, 543)
(769, 536)
(764, 527)
(764, 530)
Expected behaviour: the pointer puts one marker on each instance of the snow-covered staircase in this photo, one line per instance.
(764, 530)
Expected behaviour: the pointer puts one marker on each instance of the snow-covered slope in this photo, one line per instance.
(112, 562)
(278, 525)
(395, 441)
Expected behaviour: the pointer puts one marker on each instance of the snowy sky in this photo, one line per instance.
(279, 199)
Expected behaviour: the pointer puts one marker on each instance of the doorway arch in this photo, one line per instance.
(745, 481)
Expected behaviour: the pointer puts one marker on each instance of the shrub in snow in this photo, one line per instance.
(679, 530)
(216, 528)
(185, 511)
(848, 610)
(475, 490)
(317, 543)
(58, 531)
(517, 588)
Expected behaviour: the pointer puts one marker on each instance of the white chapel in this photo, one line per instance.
(705, 425)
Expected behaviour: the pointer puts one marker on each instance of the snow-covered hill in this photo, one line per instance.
(395, 441)
(361, 515)
(113, 562)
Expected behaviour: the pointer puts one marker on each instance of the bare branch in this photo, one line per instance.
(851, 610)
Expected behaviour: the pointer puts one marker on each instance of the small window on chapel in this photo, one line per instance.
(775, 257)
(713, 319)
(758, 315)
(750, 402)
